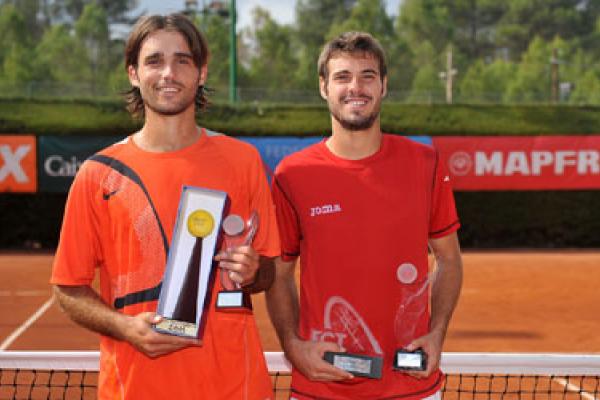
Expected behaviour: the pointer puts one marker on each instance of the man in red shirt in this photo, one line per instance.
(119, 221)
(360, 210)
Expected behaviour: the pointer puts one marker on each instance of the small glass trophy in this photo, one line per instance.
(236, 232)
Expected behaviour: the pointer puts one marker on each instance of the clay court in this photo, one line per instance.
(511, 302)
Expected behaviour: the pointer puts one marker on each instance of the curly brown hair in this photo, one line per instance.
(175, 23)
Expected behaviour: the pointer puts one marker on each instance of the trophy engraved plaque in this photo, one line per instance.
(185, 287)
(405, 360)
(237, 232)
(356, 364)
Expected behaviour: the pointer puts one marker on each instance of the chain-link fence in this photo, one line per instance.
(89, 90)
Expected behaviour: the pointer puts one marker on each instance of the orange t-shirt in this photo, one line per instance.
(119, 218)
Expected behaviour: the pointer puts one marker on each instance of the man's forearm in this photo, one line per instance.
(282, 303)
(445, 291)
(264, 275)
(84, 306)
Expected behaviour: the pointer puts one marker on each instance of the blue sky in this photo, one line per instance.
(281, 10)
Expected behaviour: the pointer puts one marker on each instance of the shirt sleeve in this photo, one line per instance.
(266, 241)
(78, 251)
(287, 220)
(443, 217)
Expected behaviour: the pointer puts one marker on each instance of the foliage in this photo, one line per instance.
(487, 81)
(17, 63)
(313, 21)
(61, 57)
(217, 29)
(273, 59)
(525, 20)
(587, 89)
(91, 32)
(13, 30)
(368, 16)
(503, 51)
(74, 9)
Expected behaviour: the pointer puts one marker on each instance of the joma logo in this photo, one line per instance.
(325, 209)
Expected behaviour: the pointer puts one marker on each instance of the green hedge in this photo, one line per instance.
(108, 117)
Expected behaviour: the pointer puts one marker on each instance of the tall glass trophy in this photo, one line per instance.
(236, 232)
(412, 310)
(185, 287)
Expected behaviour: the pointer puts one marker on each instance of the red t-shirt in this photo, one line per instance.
(355, 224)
(119, 219)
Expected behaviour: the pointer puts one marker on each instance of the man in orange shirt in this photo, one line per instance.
(119, 220)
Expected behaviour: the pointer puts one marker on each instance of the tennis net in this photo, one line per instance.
(470, 376)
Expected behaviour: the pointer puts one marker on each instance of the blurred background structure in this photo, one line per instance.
(460, 51)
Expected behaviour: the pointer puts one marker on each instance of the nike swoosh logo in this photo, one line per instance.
(107, 196)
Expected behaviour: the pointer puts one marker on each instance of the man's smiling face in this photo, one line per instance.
(166, 74)
(353, 90)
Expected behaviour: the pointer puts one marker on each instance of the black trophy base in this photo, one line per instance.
(405, 360)
(356, 364)
(232, 300)
(177, 328)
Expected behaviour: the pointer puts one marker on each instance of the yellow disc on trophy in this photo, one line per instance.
(200, 223)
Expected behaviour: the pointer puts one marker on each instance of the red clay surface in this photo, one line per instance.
(511, 302)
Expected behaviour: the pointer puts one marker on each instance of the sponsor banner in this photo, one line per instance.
(421, 139)
(522, 163)
(274, 149)
(59, 158)
(17, 163)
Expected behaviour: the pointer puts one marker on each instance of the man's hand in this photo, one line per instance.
(240, 263)
(432, 346)
(85, 307)
(140, 334)
(444, 295)
(307, 357)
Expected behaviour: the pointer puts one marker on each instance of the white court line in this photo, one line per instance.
(25, 325)
(574, 388)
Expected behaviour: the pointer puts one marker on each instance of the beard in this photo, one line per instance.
(171, 109)
(168, 110)
(357, 124)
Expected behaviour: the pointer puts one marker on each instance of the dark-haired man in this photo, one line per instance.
(360, 209)
(119, 219)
